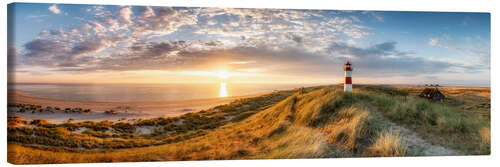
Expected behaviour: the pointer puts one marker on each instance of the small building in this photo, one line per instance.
(432, 94)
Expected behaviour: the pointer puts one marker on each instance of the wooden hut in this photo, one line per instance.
(432, 94)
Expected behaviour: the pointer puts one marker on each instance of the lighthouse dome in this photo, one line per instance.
(347, 66)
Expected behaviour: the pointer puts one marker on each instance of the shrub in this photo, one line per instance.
(110, 112)
(70, 126)
(123, 127)
(15, 121)
(39, 122)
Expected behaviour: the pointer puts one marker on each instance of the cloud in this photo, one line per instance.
(36, 16)
(99, 11)
(295, 38)
(286, 42)
(433, 41)
(156, 20)
(125, 15)
(275, 28)
(444, 41)
(378, 60)
(113, 24)
(60, 53)
(383, 59)
(89, 46)
(12, 50)
(476, 51)
(45, 53)
(376, 15)
(12, 56)
(54, 9)
(43, 47)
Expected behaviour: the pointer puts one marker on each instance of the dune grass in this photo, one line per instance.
(437, 122)
(271, 133)
(305, 123)
(388, 144)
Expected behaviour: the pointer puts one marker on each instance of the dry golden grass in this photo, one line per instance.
(485, 133)
(388, 144)
(272, 133)
(347, 127)
(311, 124)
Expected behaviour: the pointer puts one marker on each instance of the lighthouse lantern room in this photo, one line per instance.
(348, 80)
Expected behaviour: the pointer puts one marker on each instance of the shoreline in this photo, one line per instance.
(14, 94)
(129, 110)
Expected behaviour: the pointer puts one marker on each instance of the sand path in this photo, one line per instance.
(414, 142)
(418, 145)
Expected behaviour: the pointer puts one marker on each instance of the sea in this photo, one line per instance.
(144, 92)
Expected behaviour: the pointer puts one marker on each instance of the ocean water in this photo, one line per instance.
(143, 92)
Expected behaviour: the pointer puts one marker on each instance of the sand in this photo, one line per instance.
(128, 110)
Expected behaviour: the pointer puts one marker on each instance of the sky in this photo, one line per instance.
(67, 43)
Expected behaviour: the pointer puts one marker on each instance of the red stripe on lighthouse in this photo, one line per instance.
(348, 80)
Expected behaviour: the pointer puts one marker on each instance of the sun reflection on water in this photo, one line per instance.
(222, 90)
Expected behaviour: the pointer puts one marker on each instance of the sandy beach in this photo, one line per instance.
(128, 110)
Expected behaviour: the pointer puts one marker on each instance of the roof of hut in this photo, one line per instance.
(432, 93)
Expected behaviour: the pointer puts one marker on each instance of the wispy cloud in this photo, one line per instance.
(444, 41)
(36, 16)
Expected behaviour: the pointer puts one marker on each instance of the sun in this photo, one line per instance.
(223, 74)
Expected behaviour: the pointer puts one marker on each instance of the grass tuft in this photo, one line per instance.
(388, 144)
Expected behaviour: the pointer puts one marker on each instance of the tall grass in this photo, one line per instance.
(272, 133)
(485, 145)
(312, 122)
(436, 122)
(345, 129)
(485, 135)
(388, 144)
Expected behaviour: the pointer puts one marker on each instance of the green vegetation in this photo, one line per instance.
(300, 123)
(22, 108)
(439, 123)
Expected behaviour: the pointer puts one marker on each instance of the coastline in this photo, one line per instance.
(129, 110)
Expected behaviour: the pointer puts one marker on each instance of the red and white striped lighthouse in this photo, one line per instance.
(348, 79)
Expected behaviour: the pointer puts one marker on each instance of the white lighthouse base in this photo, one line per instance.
(347, 87)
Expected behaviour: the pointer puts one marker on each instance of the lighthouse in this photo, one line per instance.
(348, 80)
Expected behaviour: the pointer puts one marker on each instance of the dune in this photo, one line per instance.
(314, 122)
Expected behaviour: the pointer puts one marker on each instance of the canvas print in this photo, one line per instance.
(116, 83)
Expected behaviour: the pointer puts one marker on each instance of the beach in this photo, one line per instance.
(126, 110)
